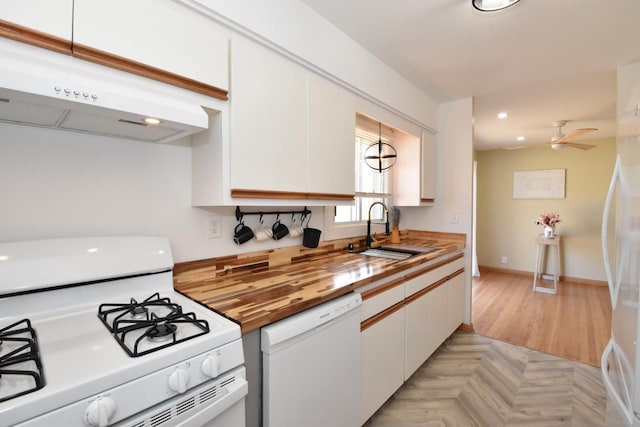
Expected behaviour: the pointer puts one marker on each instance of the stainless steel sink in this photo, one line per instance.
(387, 253)
(397, 252)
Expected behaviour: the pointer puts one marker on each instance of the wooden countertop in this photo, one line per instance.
(259, 288)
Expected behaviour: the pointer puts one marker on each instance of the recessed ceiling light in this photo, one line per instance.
(152, 121)
(520, 138)
(492, 5)
(502, 115)
(3, 257)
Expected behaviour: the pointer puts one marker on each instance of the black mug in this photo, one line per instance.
(242, 233)
(279, 230)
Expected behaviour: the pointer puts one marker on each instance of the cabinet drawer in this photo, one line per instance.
(456, 265)
(422, 281)
(382, 297)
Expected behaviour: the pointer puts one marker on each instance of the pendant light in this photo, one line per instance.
(492, 5)
(380, 155)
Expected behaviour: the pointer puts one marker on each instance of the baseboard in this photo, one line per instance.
(466, 327)
(577, 280)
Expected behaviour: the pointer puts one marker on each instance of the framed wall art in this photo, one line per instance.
(539, 184)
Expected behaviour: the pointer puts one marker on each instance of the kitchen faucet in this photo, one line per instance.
(386, 224)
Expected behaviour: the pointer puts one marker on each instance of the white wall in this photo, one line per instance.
(454, 175)
(454, 181)
(65, 184)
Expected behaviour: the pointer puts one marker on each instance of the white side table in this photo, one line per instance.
(554, 246)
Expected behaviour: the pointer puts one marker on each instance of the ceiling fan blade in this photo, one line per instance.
(574, 134)
(584, 147)
(517, 147)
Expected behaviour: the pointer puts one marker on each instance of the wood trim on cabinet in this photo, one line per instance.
(432, 267)
(115, 61)
(380, 289)
(426, 290)
(457, 273)
(34, 37)
(380, 316)
(428, 200)
(290, 195)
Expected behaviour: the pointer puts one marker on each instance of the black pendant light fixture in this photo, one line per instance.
(380, 155)
(492, 5)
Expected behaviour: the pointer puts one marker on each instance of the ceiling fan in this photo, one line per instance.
(560, 141)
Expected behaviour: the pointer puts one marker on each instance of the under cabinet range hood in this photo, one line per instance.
(51, 90)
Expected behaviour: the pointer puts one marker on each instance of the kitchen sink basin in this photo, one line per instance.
(397, 252)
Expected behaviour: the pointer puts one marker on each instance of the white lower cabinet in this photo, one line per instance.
(455, 301)
(403, 322)
(425, 327)
(382, 358)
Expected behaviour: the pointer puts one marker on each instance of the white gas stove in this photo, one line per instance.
(93, 334)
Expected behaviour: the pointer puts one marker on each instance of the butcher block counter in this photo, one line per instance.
(259, 288)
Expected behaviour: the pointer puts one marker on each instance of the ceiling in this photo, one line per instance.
(540, 61)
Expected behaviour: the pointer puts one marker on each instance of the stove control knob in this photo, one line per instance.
(99, 412)
(211, 365)
(179, 380)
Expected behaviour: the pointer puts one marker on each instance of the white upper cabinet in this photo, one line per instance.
(292, 132)
(51, 17)
(331, 126)
(428, 167)
(48, 16)
(414, 174)
(268, 103)
(160, 34)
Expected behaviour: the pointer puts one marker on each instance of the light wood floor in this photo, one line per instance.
(574, 324)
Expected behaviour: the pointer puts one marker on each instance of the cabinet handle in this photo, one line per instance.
(381, 316)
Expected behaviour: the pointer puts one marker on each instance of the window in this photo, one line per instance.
(371, 185)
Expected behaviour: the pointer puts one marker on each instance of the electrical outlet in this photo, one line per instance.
(213, 226)
(504, 260)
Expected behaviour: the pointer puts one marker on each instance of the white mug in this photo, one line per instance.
(295, 229)
(263, 233)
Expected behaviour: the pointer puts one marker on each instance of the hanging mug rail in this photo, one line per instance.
(303, 212)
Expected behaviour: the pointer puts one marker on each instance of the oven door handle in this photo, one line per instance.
(235, 392)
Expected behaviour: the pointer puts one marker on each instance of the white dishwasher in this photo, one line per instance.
(311, 367)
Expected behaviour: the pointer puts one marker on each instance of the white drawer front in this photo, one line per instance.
(419, 283)
(376, 304)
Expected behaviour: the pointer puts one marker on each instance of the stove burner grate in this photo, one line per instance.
(24, 350)
(132, 330)
(110, 314)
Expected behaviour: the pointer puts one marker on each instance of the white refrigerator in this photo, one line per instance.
(621, 358)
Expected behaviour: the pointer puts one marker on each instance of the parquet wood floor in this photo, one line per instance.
(574, 324)
(473, 380)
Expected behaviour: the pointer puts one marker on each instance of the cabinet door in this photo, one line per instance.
(428, 170)
(382, 368)
(438, 314)
(160, 34)
(421, 334)
(455, 302)
(331, 136)
(268, 120)
(52, 17)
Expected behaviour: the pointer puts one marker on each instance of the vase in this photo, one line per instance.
(395, 235)
(548, 232)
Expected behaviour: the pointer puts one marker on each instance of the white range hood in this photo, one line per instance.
(51, 90)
